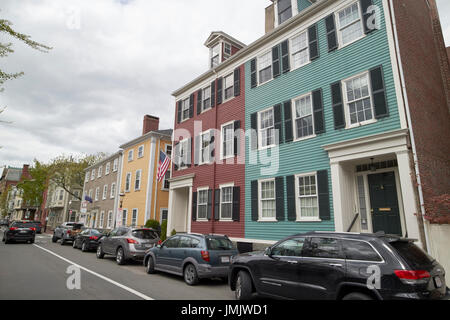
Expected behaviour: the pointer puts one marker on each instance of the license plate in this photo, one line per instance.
(23, 231)
(437, 282)
(225, 259)
(149, 245)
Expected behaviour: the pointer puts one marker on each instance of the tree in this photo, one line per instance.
(4, 202)
(67, 172)
(34, 188)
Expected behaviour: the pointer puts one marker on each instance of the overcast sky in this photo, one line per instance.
(113, 62)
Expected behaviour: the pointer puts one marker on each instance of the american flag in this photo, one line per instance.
(163, 165)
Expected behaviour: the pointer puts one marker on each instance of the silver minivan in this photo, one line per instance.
(127, 243)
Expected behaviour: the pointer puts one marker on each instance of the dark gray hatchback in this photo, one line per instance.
(193, 256)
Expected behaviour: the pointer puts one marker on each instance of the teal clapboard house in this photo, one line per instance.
(326, 79)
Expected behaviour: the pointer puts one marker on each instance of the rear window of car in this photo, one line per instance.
(145, 234)
(21, 225)
(412, 254)
(359, 250)
(219, 244)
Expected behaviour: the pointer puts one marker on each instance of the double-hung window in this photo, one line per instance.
(93, 174)
(303, 112)
(359, 105)
(130, 155)
(215, 56)
(266, 128)
(265, 67)
(113, 190)
(128, 182)
(110, 219)
(183, 154)
(97, 193)
(100, 171)
(267, 200)
(229, 86)
(284, 10)
(350, 24)
(102, 217)
(300, 50)
(226, 203)
(134, 217)
(88, 175)
(107, 168)
(185, 110)
(124, 217)
(228, 140)
(115, 165)
(205, 141)
(202, 204)
(307, 195)
(105, 192)
(206, 104)
(137, 181)
(141, 151)
(226, 50)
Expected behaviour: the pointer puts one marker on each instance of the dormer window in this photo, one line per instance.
(284, 10)
(221, 47)
(215, 56)
(226, 51)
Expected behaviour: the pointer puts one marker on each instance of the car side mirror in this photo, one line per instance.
(268, 251)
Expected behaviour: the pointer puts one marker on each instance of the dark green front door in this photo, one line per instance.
(384, 203)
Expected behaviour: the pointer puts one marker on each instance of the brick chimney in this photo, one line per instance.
(150, 124)
(25, 172)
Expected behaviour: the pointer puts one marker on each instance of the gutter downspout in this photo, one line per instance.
(215, 155)
(408, 117)
(156, 180)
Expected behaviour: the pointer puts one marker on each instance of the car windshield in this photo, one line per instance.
(219, 244)
(412, 254)
(21, 225)
(145, 234)
(96, 232)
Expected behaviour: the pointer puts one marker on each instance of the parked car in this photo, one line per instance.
(37, 225)
(66, 232)
(328, 265)
(19, 231)
(4, 223)
(193, 256)
(88, 239)
(127, 243)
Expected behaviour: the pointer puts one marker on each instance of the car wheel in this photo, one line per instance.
(74, 244)
(190, 275)
(84, 247)
(31, 241)
(150, 266)
(54, 239)
(63, 242)
(100, 254)
(6, 241)
(357, 296)
(120, 256)
(244, 286)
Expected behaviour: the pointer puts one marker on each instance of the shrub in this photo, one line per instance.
(163, 230)
(174, 232)
(154, 224)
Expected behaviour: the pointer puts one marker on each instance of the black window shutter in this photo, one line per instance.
(236, 203)
(213, 94)
(199, 101)
(324, 195)
(276, 61)
(279, 191)
(288, 135)
(254, 200)
(237, 82)
(379, 92)
(194, 206)
(338, 105)
(217, 204)
(209, 214)
(219, 90)
(285, 56)
(237, 126)
(191, 106)
(313, 42)
(291, 207)
(331, 32)
(189, 153)
(277, 122)
(365, 4)
(319, 122)
(254, 78)
(254, 133)
(179, 110)
(196, 150)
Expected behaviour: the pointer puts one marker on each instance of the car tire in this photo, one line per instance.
(190, 274)
(63, 242)
(6, 241)
(150, 266)
(120, 256)
(100, 254)
(244, 287)
(31, 241)
(74, 244)
(84, 247)
(54, 238)
(357, 296)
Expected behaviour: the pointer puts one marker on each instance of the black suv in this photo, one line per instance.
(339, 266)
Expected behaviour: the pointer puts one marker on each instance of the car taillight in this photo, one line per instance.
(93, 238)
(68, 231)
(160, 241)
(412, 274)
(132, 241)
(13, 228)
(34, 229)
(205, 255)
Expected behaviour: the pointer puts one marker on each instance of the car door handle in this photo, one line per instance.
(337, 265)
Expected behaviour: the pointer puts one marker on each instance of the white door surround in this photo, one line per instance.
(180, 199)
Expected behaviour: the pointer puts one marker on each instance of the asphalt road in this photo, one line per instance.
(39, 271)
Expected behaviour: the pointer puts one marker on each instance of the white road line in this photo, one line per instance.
(141, 295)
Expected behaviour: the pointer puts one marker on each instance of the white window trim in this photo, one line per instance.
(143, 150)
(140, 180)
(97, 193)
(294, 118)
(291, 58)
(132, 155)
(220, 44)
(198, 197)
(271, 67)
(124, 214)
(224, 44)
(260, 217)
(222, 186)
(203, 99)
(161, 214)
(260, 147)
(223, 88)
(112, 194)
(188, 99)
(339, 28)
(346, 103)
(105, 194)
(101, 220)
(93, 175)
(115, 165)
(222, 157)
(137, 216)
(297, 199)
(180, 144)
(129, 186)
(200, 162)
(294, 6)
(107, 168)
(100, 172)
(109, 219)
